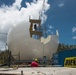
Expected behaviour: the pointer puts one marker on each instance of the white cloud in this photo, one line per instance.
(49, 30)
(74, 29)
(61, 5)
(50, 27)
(13, 14)
(17, 4)
(74, 32)
(74, 37)
(2, 45)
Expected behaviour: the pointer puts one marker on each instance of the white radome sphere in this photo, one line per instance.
(19, 40)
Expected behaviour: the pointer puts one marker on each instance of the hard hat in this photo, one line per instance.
(36, 59)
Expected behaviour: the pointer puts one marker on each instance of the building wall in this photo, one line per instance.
(59, 58)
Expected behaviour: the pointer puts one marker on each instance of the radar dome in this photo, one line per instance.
(19, 41)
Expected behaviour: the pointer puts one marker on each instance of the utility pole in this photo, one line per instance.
(9, 58)
(19, 57)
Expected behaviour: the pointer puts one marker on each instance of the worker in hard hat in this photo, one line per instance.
(35, 63)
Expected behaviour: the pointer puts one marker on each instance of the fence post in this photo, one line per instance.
(21, 72)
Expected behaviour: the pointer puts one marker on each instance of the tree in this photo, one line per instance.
(65, 47)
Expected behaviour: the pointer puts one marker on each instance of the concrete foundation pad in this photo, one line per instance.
(38, 71)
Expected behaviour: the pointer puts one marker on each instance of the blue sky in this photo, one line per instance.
(61, 16)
